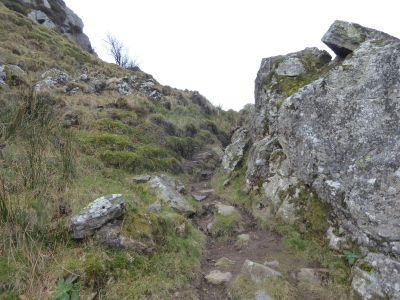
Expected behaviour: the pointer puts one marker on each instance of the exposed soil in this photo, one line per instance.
(261, 243)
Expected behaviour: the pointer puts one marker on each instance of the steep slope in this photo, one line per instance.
(73, 129)
(54, 15)
(324, 149)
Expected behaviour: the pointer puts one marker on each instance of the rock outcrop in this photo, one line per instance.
(54, 15)
(234, 152)
(337, 142)
(95, 215)
(165, 189)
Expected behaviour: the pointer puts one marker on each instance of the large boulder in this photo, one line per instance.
(341, 136)
(165, 189)
(95, 215)
(337, 130)
(234, 152)
(345, 37)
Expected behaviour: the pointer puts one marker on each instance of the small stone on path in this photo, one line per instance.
(199, 197)
(141, 178)
(262, 295)
(224, 263)
(242, 240)
(258, 272)
(225, 210)
(218, 277)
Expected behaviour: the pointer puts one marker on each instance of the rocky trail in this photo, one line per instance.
(225, 255)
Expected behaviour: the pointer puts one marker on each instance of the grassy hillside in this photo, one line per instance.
(67, 144)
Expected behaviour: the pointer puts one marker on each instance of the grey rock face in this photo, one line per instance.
(234, 152)
(291, 66)
(40, 17)
(165, 189)
(279, 202)
(380, 280)
(338, 130)
(258, 160)
(273, 84)
(335, 242)
(341, 136)
(345, 37)
(55, 15)
(258, 272)
(95, 215)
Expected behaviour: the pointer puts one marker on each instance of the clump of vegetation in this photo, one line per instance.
(242, 287)
(225, 226)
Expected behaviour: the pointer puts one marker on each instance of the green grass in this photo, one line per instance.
(235, 190)
(224, 227)
(243, 288)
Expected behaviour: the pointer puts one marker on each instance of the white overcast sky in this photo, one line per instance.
(216, 46)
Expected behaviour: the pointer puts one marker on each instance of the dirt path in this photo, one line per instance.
(261, 243)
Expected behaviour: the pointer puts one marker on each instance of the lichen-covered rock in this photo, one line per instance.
(258, 272)
(40, 17)
(338, 129)
(345, 37)
(52, 78)
(165, 189)
(290, 66)
(55, 15)
(335, 242)
(234, 152)
(275, 81)
(217, 277)
(377, 275)
(280, 197)
(95, 215)
(258, 160)
(340, 134)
